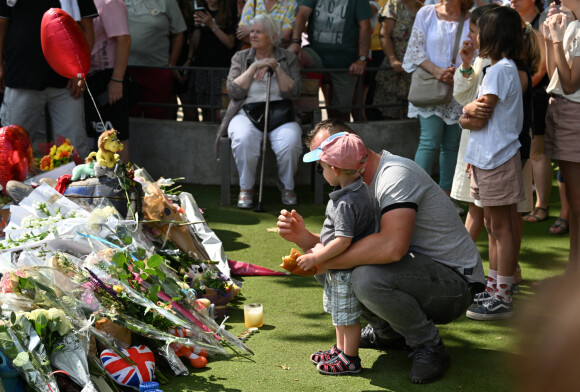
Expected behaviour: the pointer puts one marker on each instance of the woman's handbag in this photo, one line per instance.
(281, 112)
(425, 89)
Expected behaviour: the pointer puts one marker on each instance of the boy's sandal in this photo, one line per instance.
(560, 226)
(340, 365)
(324, 356)
(538, 214)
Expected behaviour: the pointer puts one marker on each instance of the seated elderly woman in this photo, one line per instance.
(246, 85)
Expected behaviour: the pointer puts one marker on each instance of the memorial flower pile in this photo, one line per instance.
(73, 277)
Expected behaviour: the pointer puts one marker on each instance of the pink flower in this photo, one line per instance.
(9, 283)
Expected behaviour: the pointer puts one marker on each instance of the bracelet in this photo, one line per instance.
(295, 41)
(215, 29)
(116, 80)
(467, 71)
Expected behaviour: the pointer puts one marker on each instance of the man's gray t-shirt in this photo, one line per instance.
(350, 212)
(439, 232)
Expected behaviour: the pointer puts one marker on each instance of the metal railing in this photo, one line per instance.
(360, 106)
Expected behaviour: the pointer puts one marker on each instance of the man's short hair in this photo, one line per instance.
(332, 125)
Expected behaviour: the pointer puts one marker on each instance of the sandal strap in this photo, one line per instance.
(340, 364)
(326, 355)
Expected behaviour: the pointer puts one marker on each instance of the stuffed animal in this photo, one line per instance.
(197, 356)
(80, 172)
(108, 146)
(289, 264)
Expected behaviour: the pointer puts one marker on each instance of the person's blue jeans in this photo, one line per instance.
(437, 137)
(410, 296)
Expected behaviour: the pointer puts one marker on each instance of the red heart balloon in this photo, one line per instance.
(15, 154)
(64, 45)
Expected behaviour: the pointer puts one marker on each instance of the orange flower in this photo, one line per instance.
(45, 162)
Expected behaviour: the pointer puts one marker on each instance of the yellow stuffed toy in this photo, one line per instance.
(108, 146)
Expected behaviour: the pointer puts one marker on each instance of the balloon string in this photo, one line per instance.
(95, 104)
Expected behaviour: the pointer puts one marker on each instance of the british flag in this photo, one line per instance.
(128, 374)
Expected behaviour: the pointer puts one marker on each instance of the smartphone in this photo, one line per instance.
(557, 2)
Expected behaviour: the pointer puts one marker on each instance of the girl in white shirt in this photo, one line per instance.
(562, 141)
(493, 152)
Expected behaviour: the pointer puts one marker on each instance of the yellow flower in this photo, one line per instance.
(118, 288)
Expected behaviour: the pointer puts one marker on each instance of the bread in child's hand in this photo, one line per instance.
(289, 264)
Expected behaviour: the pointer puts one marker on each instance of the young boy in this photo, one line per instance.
(350, 215)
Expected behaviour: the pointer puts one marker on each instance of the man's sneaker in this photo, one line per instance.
(493, 309)
(325, 356)
(340, 365)
(429, 363)
(368, 339)
(515, 288)
(480, 298)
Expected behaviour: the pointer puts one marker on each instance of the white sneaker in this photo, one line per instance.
(289, 197)
(245, 199)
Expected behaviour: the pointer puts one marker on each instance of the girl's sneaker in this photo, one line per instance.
(480, 298)
(493, 309)
(325, 356)
(340, 365)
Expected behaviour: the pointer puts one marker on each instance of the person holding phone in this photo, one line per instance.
(212, 45)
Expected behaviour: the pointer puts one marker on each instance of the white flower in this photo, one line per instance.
(99, 217)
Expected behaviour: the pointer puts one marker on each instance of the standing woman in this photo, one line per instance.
(431, 47)
(562, 135)
(396, 17)
(106, 78)
(212, 45)
(246, 84)
(542, 173)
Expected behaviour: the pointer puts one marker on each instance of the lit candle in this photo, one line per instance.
(253, 315)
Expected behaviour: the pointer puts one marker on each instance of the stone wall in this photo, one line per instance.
(186, 149)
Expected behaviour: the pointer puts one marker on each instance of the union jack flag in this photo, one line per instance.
(128, 374)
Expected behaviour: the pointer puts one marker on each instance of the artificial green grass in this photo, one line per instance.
(295, 324)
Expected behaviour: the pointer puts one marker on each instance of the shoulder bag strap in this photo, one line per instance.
(457, 38)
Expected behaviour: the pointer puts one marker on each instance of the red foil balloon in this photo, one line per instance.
(15, 154)
(64, 45)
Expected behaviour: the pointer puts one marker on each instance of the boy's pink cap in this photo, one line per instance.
(343, 151)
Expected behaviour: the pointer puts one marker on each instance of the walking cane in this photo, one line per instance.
(269, 74)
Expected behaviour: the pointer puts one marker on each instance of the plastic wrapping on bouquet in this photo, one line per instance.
(11, 379)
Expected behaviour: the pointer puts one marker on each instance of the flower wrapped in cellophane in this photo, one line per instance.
(83, 267)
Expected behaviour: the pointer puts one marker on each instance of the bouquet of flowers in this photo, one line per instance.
(58, 155)
(21, 343)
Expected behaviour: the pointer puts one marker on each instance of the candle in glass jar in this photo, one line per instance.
(253, 315)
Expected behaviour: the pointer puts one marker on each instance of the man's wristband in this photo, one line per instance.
(117, 80)
(467, 71)
(295, 41)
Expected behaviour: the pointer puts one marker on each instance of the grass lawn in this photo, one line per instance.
(295, 324)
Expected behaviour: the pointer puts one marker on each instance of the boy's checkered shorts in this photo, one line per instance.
(339, 299)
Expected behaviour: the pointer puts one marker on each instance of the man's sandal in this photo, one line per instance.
(538, 214)
(559, 227)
